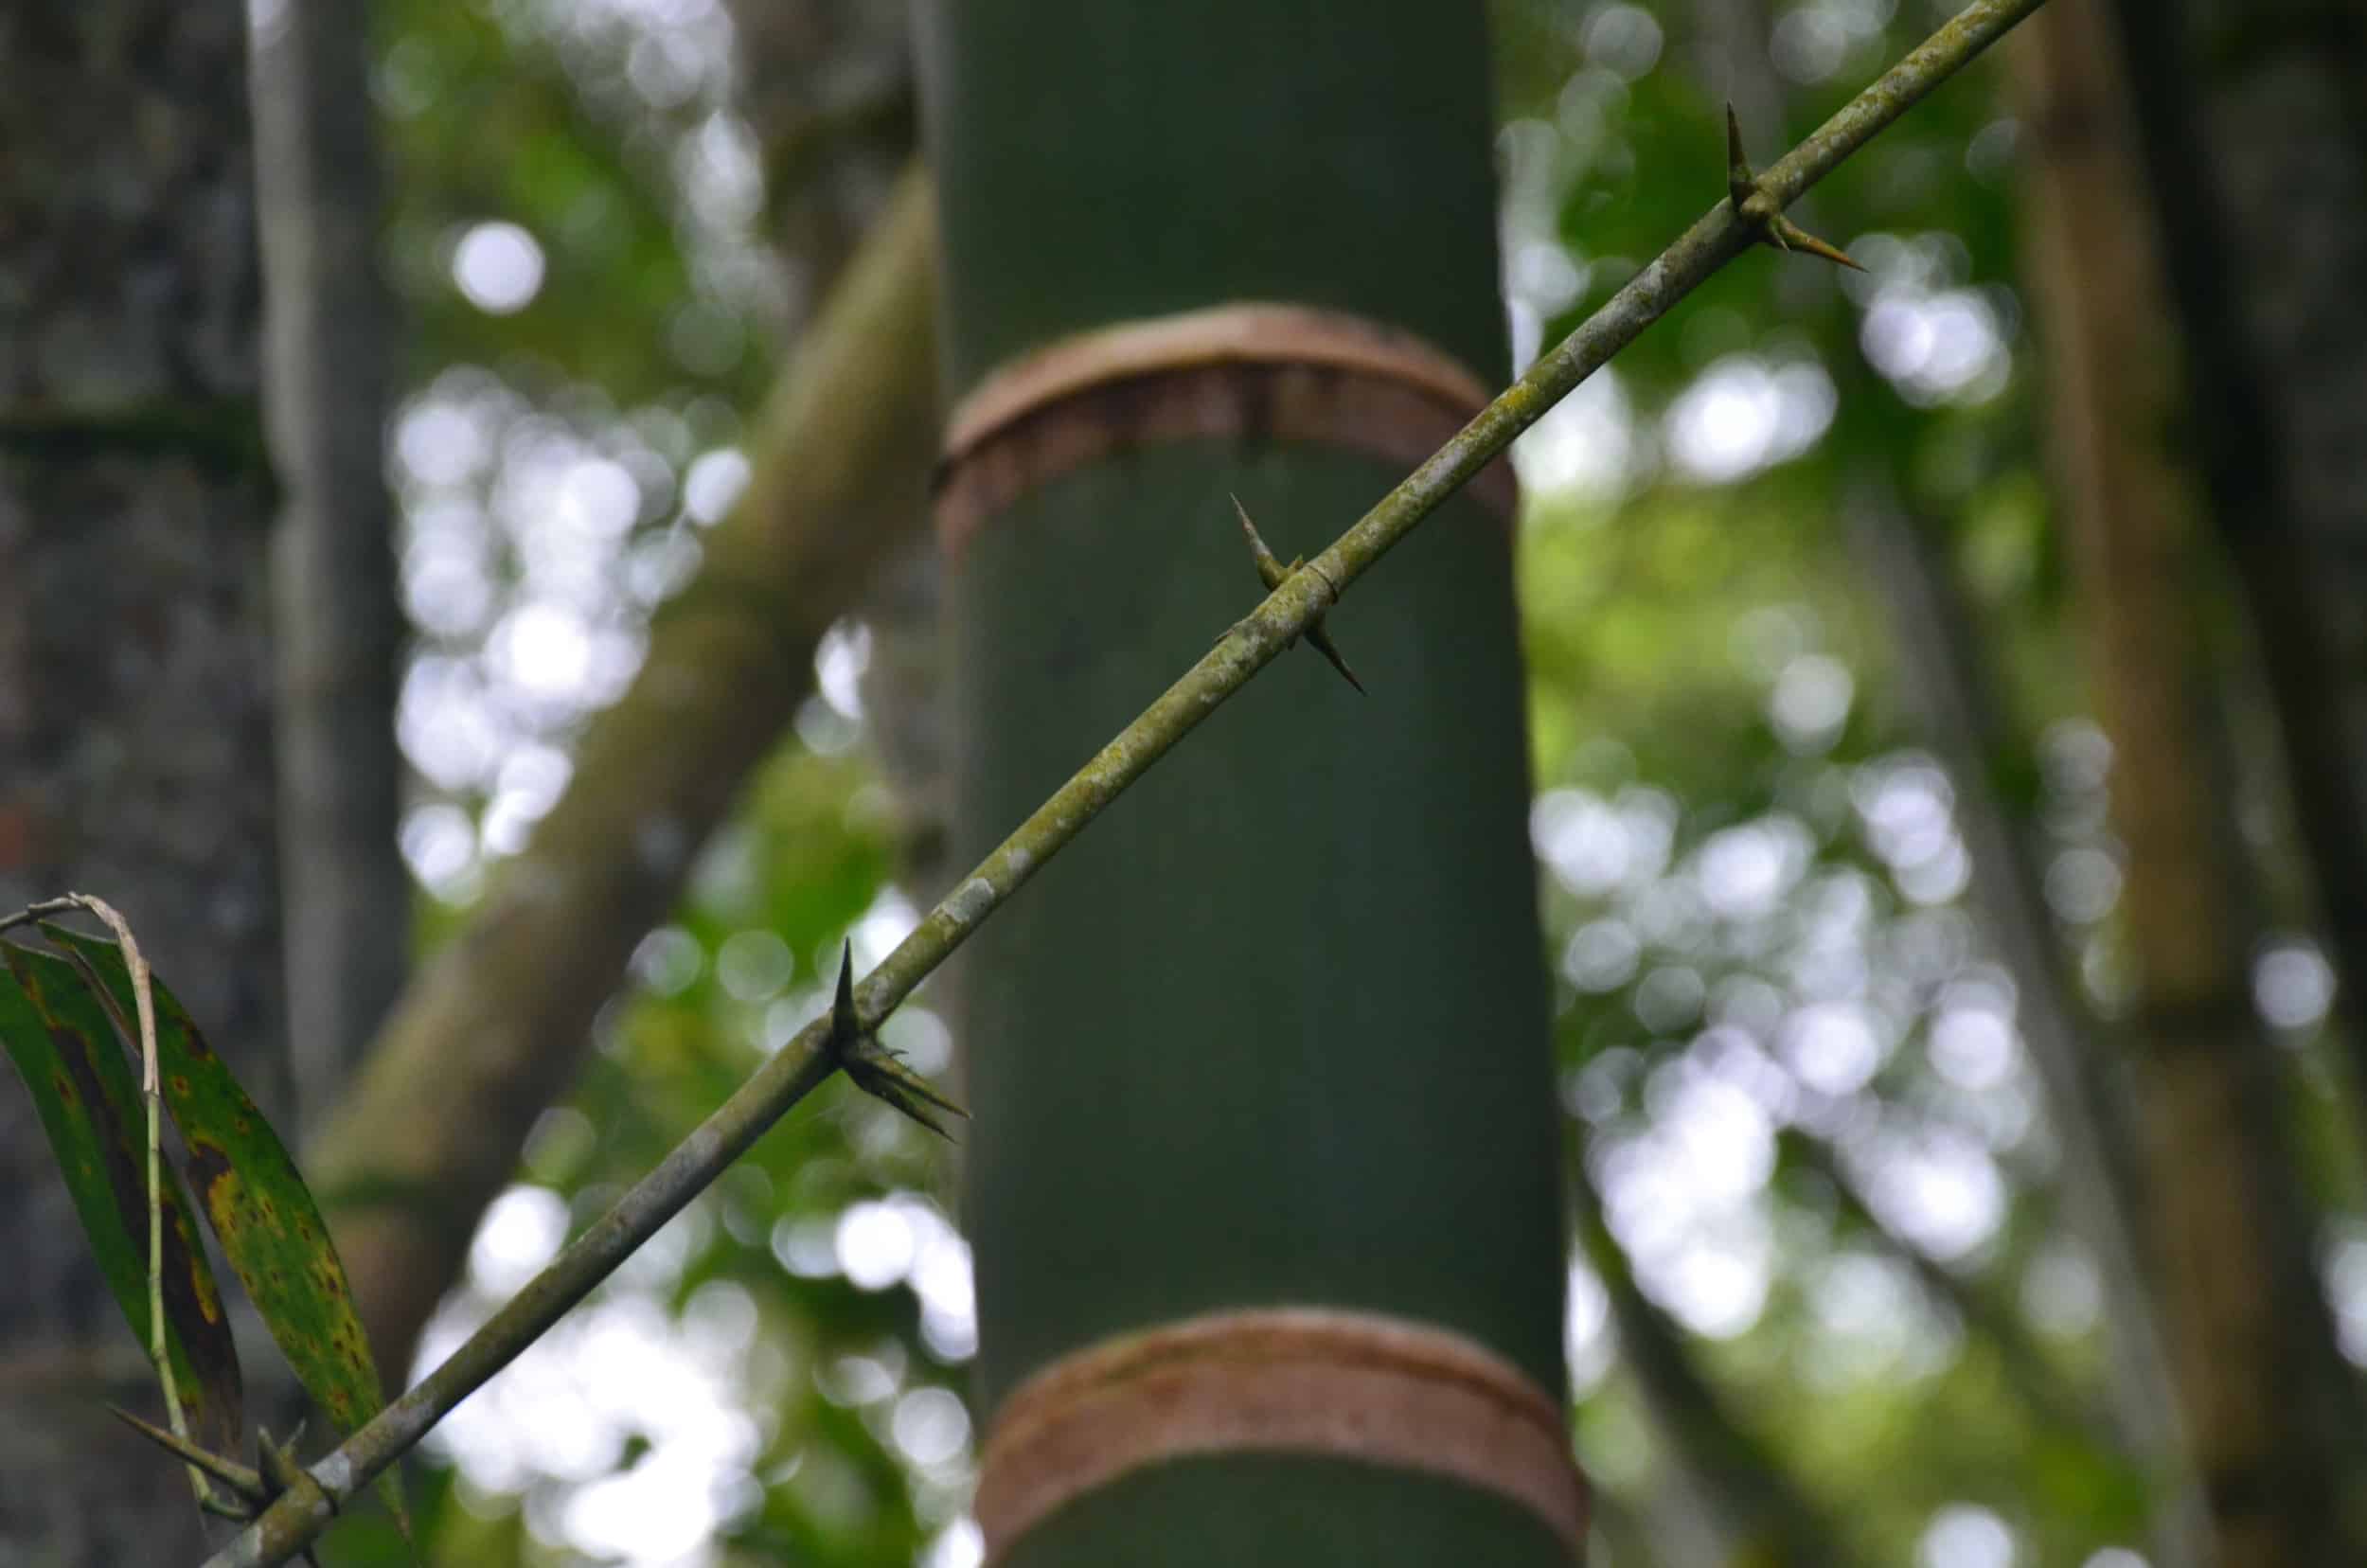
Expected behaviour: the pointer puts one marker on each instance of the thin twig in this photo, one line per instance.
(40, 911)
(151, 1091)
(807, 1061)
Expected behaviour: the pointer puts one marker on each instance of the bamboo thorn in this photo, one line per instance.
(875, 1069)
(1273, 575)
(1760, 211)
(246, 1483)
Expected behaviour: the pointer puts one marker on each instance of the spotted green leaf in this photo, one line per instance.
(86, 1093)
(271, 1229)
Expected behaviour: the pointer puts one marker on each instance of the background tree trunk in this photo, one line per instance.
(829, 92)
(1274, 1032)
(134, 676)
(330, 334)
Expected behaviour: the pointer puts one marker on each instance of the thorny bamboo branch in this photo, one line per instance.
(808, 1061)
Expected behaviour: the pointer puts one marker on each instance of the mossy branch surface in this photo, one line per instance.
(808, 1061)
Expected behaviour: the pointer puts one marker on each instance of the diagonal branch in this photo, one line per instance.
(806, 1062)
(1762, 1508)
(2050, 1398)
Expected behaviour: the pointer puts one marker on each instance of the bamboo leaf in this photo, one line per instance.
(270, 1227)
(65, 1049)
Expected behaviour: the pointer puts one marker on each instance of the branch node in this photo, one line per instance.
(1759, 211)
(247, 1492)
(875, 1069)
(1273, 575)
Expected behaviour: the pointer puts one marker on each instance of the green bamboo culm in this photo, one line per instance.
(1275, 1033)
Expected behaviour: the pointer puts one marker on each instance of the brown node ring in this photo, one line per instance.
(1281, 1380)
(1255, 371)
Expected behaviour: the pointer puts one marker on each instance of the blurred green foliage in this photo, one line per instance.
(1751, 873)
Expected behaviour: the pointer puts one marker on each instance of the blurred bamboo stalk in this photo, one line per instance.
(2253, 149)
(2270, 1410)
(329, 332)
